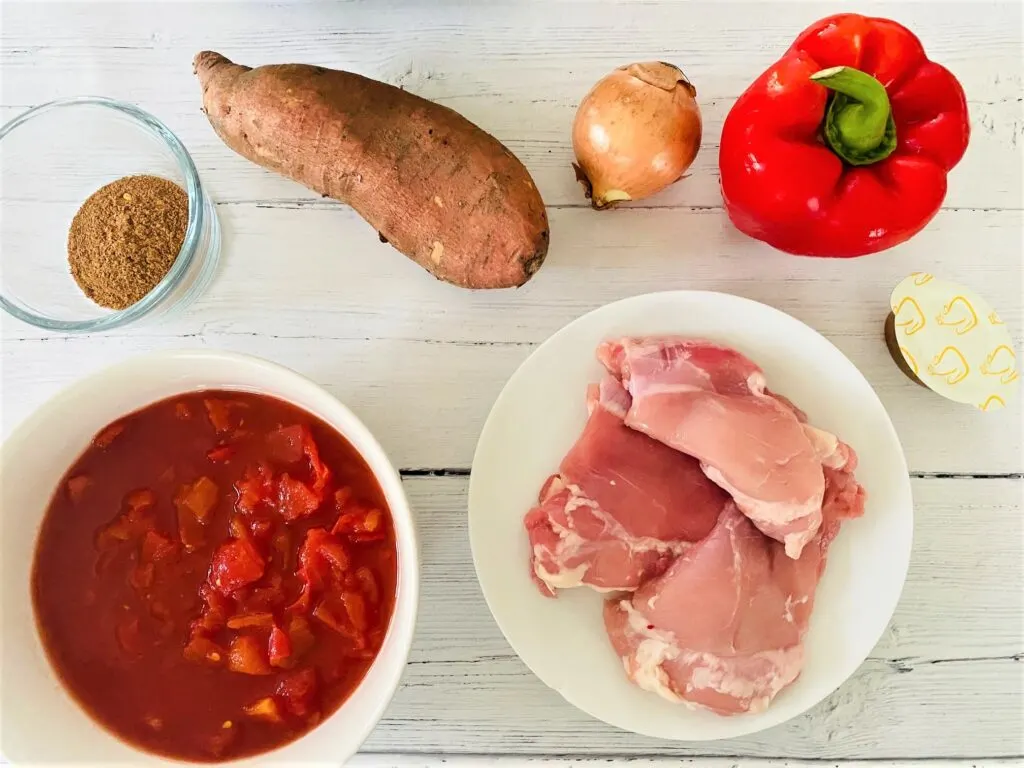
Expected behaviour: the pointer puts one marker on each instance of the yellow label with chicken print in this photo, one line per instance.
(954, 342)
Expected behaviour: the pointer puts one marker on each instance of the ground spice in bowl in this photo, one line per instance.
(125, 238)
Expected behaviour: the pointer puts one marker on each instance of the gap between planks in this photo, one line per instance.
(302, 202)
(413, 759)
(465, 472)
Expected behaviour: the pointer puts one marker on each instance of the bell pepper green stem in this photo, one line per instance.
(858, 122)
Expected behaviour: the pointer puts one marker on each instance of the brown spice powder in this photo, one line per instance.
(125, 237)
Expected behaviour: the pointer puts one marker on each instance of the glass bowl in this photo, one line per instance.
(55, 156)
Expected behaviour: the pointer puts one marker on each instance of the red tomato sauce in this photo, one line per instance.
(215, 575)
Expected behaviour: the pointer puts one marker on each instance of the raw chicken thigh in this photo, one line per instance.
(622, 507)
(710, 402)
(723, 628)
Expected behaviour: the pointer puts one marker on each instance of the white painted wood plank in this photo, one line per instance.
(518, 69)
(945, 682)
(320, 270)
(482, 761)
(426, 400)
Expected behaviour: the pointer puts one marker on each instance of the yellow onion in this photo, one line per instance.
(636, 132)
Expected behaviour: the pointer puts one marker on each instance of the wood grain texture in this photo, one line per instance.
(511, 761)
(305, 282)
(516, 69)
(945, 681)
(426, 400)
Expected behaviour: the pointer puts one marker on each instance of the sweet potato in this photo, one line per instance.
(441, 190)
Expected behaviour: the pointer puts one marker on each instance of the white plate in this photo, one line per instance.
(538, 417)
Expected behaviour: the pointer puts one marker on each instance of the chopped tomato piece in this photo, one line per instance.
(190, 530)
(219, 412)
(287, 444)
(214, 601)
(215, 612)
(342, 496)
(203, 650)
(266, 709)
(253, 489)
(132, 524)
(368, 584)
(237, 527)
(313, 569)
(77, 487)
(295, 499)
(156, 548)
(282, 545)
(320, 554)
(199, 498)
(107, 435)
(268, 597)
(301, 635)
(355, 606)
(246, 656)
(321, 474)
(235, 564)
(360, 524)
(182, 411)
(243, 620)
(334, 552)
(118, 531)
(298, 692)
(261, 529)
(139, 500)
(141, 576)
(221, 454)
(280, 649)
(303, 602)
(333, 613)
(128, 635)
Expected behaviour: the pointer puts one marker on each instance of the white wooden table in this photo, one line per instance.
(306, 283)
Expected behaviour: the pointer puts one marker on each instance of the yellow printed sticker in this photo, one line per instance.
(954, 342)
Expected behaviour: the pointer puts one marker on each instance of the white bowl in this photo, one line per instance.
(41, 723)
(541, 412)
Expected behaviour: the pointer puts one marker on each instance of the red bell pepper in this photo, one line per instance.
(841, 148)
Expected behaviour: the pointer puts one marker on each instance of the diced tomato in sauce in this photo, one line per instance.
(235, 564)
(247, 656)
(223, 413)
(301, 636)
(254, 489)
(360, 524)
(77, 486)
(295, 498)
(225, 548)
(198, 498)
(287, 444)
(299, 692)
(221, 453)
(266, 709)
(201, 649)
(157, 548)
(368, 584)
(262, 619)
(108, 435)
(280, 649)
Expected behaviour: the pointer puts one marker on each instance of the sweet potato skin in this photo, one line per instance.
(438, 188)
